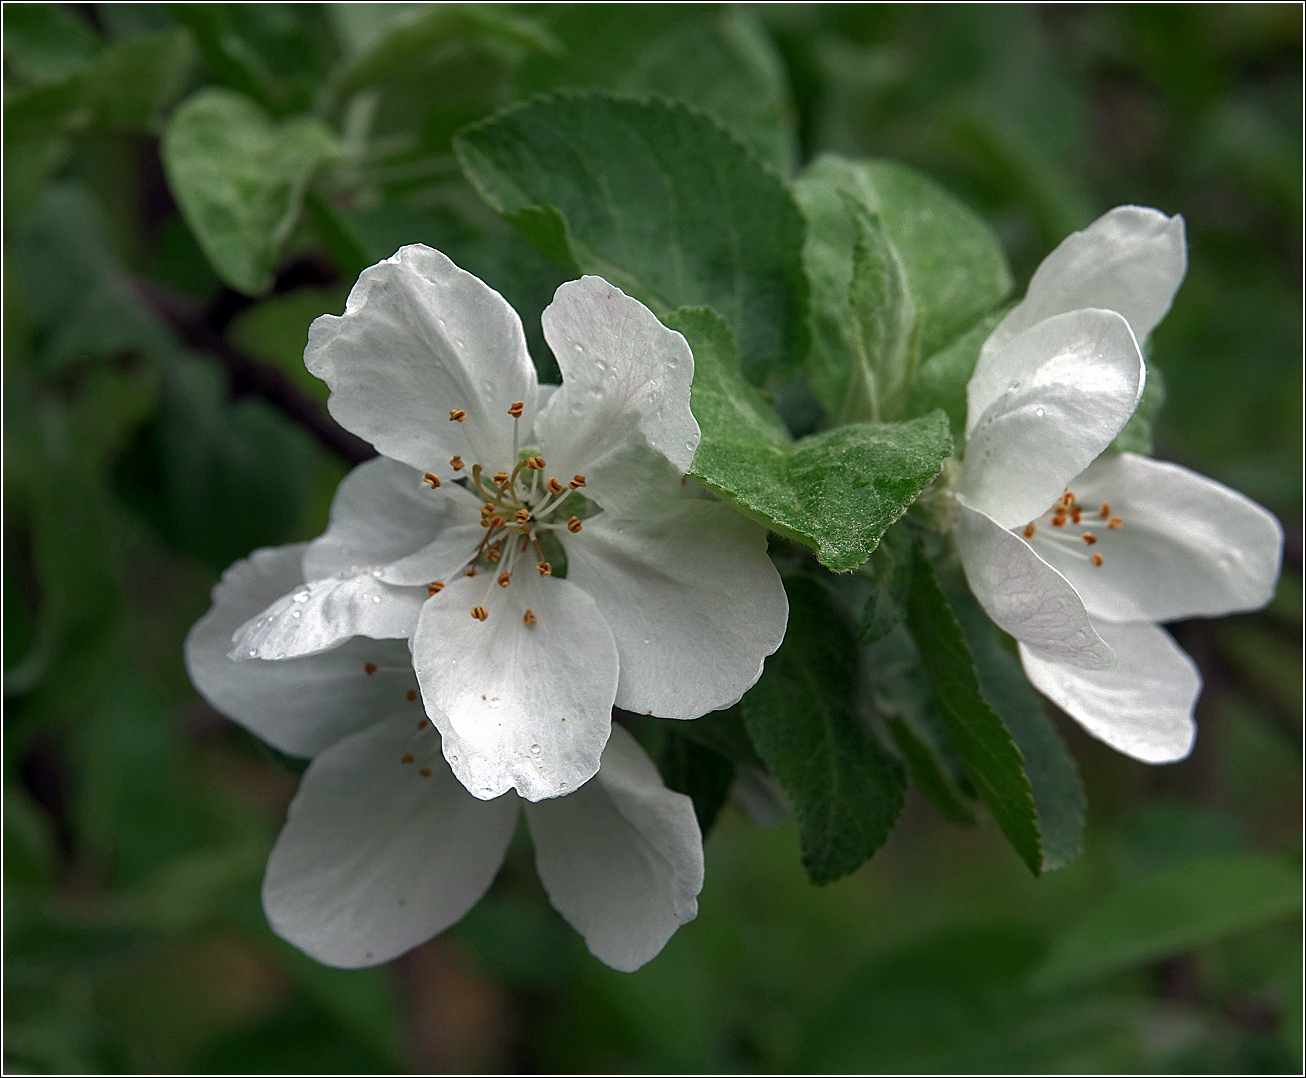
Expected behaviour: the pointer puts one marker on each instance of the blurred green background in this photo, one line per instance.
(159, 425)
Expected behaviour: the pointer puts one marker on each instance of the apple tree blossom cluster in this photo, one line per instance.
(535, 591)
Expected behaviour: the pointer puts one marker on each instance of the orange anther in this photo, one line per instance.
(470, 571)
(576, 481)
(554, 487)
(369, 669)
(457, 415)
(501, 478)
(573, 524)
(528, 618)
(1114, 522)
(456, 463)
(1058, 521)
(480, 613)
(410, 695)
(1075, 513)
(425, 772)
(1097, 559)
(435, 587)
(431, 480)
(494, 553)
(535, 463)
(1089, 538)
(515, 409)
(522, 516)
(504, 579)
(406, 758)
(544, 567)
(1029, 531)
(1105, 511)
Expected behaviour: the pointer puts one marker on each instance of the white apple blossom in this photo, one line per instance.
(1076, 551)
(450, 538)
(384, 848)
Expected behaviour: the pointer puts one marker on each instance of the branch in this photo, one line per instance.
(249, 376)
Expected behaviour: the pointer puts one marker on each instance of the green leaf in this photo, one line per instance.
(941, 380)
(955, 269)
(701, 773)
(240, 180)
(44, 43)
(884, 322)
(985, 746)
(383, 41)
(1173, 911)
(1053, 775)
(132, 84)
(802, 716)
(659, 199)
(928, 773)
(718, 59)
(836, 491)
(889, 574)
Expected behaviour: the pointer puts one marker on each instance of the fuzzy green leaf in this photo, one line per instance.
(846, 790)
(836, 491)
(660, 200)
(240, 180)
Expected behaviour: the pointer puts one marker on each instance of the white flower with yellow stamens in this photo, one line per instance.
(383, 848)
(486, 480)
(1079, 552)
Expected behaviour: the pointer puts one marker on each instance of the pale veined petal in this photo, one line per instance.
(378, 855)
(693, 601)
(1186, 546)
(1080, 378)
(1142, 706)
(521, 701)
(1024, 595)
(317, 616)
(382, 512)
(299, 706)
(420, 338)
(1130, 260)
(621, 858)
(616, 359)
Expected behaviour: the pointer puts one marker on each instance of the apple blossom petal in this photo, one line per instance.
(441, 558)
(1081, 377)
(299, 706)
(1024, 595)
(525, 706)
(1143, 706)
(693, 601)
(317, 616)
(1186, 546)
(616, 359)
(383, 511)
(621, 858)
(376, 856)
(419, 338)
(1130, 260)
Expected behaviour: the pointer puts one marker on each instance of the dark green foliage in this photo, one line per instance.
(803, 719)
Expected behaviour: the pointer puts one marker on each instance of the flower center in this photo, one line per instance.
(521, 512)
(1073, 528)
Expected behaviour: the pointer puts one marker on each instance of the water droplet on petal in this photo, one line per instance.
(294, 613)
(494, 701)
(1039, 412)
(579, 347)
(535, 750)
(646, 640)
(301, 596)
(376, 598)
(253, 653)
(453, 757)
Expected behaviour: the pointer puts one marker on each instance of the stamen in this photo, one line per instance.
(1067, 499)
(431, 480)
(522, 516)
(487, 510)
(456, 463)
(554, 487)
(501, 479)
(425, 772)
(369, 669)
(406, 758)
(535, 463)
(529, 618)
(480, 613)
(457, 415)
(1059, 521)
(1114, 522)
(435, 587)
(487, 522)
(498, 521)
(573, 524)
(544, 567)
(494, 553)
(410, 695)
(1105, 511)
(505, 579)
(1029, 531)
(470, 571)
(1097, 559)
(515, 409)
(1089, 538)
(577, 481)
(1075, 513)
